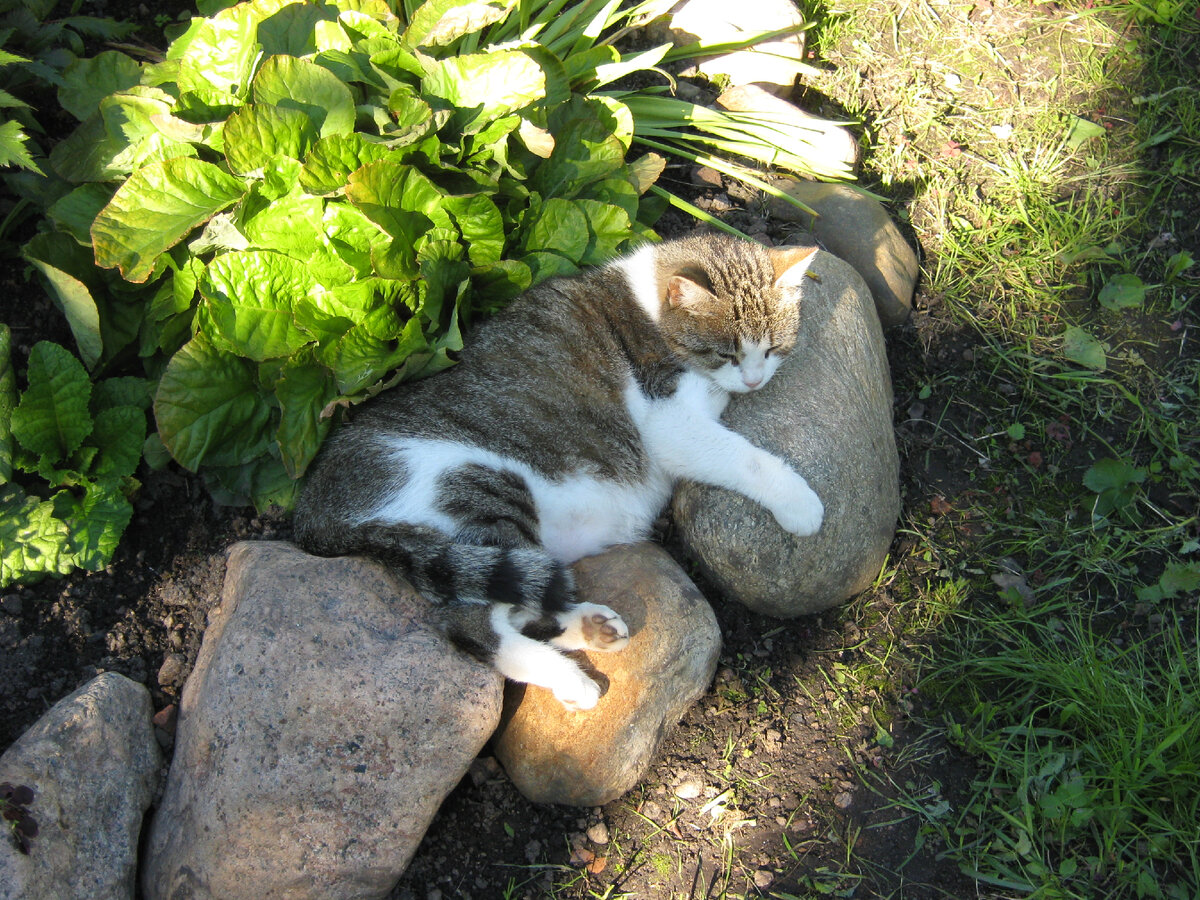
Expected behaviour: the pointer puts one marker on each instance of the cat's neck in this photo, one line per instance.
(641, 273)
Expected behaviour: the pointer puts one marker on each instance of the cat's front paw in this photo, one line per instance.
(799, 510)
(590, 626)
(578, 692)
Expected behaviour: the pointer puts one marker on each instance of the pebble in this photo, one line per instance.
(763, 878)
(652, 810)
(844, 800)
(689, 789)
(598, 833)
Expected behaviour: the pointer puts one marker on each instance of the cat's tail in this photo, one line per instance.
(513, 607)
(449, 572)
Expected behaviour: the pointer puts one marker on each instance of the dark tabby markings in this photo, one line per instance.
(495, 506)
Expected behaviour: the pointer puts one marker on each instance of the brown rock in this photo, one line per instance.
(325, 721)
(588, 758)
(828, 410)
(856, 227)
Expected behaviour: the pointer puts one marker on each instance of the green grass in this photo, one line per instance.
(1036, 159)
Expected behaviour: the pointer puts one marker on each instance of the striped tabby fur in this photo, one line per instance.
(561, 432)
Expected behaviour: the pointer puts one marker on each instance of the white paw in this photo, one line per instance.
(798, 509)
(577, 692)
(590, 626)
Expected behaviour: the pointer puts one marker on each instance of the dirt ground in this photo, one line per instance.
(758, 792)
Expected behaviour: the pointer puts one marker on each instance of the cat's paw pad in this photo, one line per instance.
(590, 626)
(577, 693)
(801, 513)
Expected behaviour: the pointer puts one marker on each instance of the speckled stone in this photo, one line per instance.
(94, 765)
(324, 723)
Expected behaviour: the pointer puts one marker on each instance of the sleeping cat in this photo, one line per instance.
(561, 432)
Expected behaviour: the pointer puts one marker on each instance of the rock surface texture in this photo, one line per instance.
(588, 758)
(857, 228)
(828, 410)
(94, 766)
(323, 725)
(773, 64)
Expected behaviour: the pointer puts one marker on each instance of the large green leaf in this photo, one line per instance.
(251, 295)
(304, 389)
(556, 226)
(332, 159)
(482, 226)
(439, 22)
(98, 523)
(75, 212)
(119, 432)
(257, 134)
(88, 81)
(486, 86)
(209, 409)
(218, 53)
(287, 82)
(52, 418)
(155, 209)
(291, 224)
(609, 230)
(33, 542)
(73, 298)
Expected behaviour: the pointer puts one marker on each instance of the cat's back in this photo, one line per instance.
(543, 381)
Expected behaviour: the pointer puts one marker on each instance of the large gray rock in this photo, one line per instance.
(856, 227)
(323, 725)
(828, 410)
(773, 64)
(94, 766)
(588, 758)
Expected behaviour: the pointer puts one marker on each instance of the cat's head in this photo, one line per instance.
(730, 308)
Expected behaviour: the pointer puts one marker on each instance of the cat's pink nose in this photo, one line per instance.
(752, 382)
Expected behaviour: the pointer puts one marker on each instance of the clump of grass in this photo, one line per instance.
(1091, 745)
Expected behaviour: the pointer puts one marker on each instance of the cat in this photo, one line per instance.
(561, 432)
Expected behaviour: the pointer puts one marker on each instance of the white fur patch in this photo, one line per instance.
(642, 274)
(577, 516)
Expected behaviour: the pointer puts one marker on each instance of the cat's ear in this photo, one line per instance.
(790, 264)
(685, 294)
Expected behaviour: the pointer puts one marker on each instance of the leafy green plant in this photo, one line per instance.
(305, 203)
(14, 809)
(80, 444)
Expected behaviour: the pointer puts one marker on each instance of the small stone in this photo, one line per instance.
(598, 833)
(172, 670)
(763, 878)
(707, 176)
(775, 64)
(94, 766)
(689, 789)
(857, 228)
(830, 141)
(652, 811)
(844, 800)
